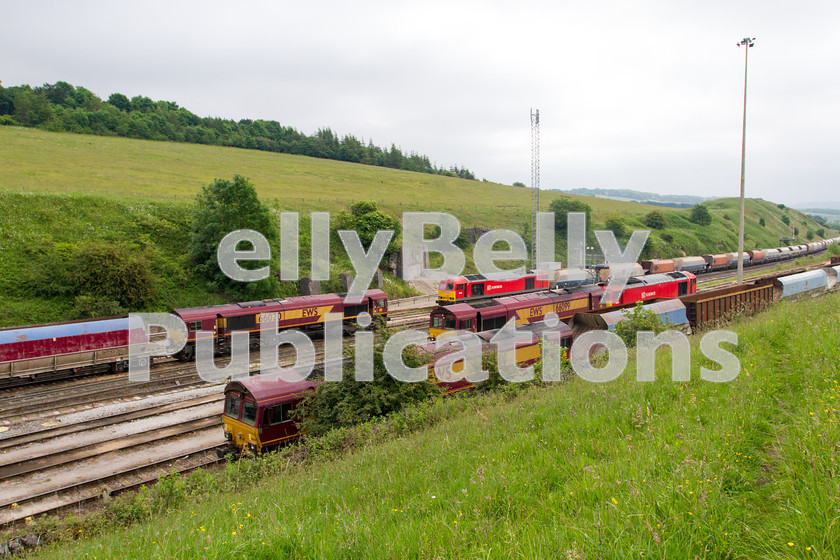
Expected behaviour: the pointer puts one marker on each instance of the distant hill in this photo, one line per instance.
(669, 200)
(819, 206)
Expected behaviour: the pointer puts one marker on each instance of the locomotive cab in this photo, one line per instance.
(258, 412)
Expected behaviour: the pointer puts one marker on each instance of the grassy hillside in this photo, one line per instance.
(38, 161)
(746, 469)
(59, 191)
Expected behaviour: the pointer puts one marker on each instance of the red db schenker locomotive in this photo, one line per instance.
(490, 314)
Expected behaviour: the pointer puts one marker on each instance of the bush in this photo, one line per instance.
(562, 206)
(700, 215)
(105, 278)
(786, 220)
(113, 272)
(639, 319)
(654, 220)
(90, 307)
(366, 220)
(349, 402)
(667, 237)
(761, 222)
(617, 226)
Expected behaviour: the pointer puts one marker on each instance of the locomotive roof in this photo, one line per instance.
(459, 310)
(499, 276)
(654, 279)
(269, 387)
(275, 304)
(63, 330)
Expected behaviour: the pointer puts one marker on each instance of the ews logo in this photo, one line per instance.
(309, 312)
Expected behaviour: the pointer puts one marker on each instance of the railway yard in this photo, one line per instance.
(68, 443)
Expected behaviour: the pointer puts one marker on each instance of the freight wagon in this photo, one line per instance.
(670, 311)
(708, 307)
(77, 346)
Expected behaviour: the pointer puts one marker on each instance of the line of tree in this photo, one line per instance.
(61, 107)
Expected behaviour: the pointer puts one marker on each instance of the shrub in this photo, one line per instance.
(639, 319)
(617, 226)
(700, 215)
(112, 272)
(654, 220)
(349, 402)
(761, 222)
(562, 206)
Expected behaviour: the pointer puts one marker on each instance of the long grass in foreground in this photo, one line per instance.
(747, 469)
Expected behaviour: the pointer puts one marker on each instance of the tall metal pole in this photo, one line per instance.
(535, 182)
(747, 43)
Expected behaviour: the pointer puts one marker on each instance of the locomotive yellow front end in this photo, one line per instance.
(239, 423)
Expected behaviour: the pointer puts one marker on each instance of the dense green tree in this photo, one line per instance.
(60, 93)
(761, 222)
(120, 101)
(562, 206)
(63, 107)
(7, 101)
(220, 208)
(786, 219)
(821, 233)
(700, 215)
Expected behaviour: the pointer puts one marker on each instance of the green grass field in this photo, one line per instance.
(59, 191)
(746, 469)
(38, 161)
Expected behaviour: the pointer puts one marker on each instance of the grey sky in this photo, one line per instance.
(637, 94)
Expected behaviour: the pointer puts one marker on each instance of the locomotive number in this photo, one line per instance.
(267, 317)
(563, 306)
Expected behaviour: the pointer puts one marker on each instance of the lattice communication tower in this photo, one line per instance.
(535, 182)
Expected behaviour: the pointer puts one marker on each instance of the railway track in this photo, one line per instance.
(50, 432)
(76, 494)
(62, 466)
(18, 406)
